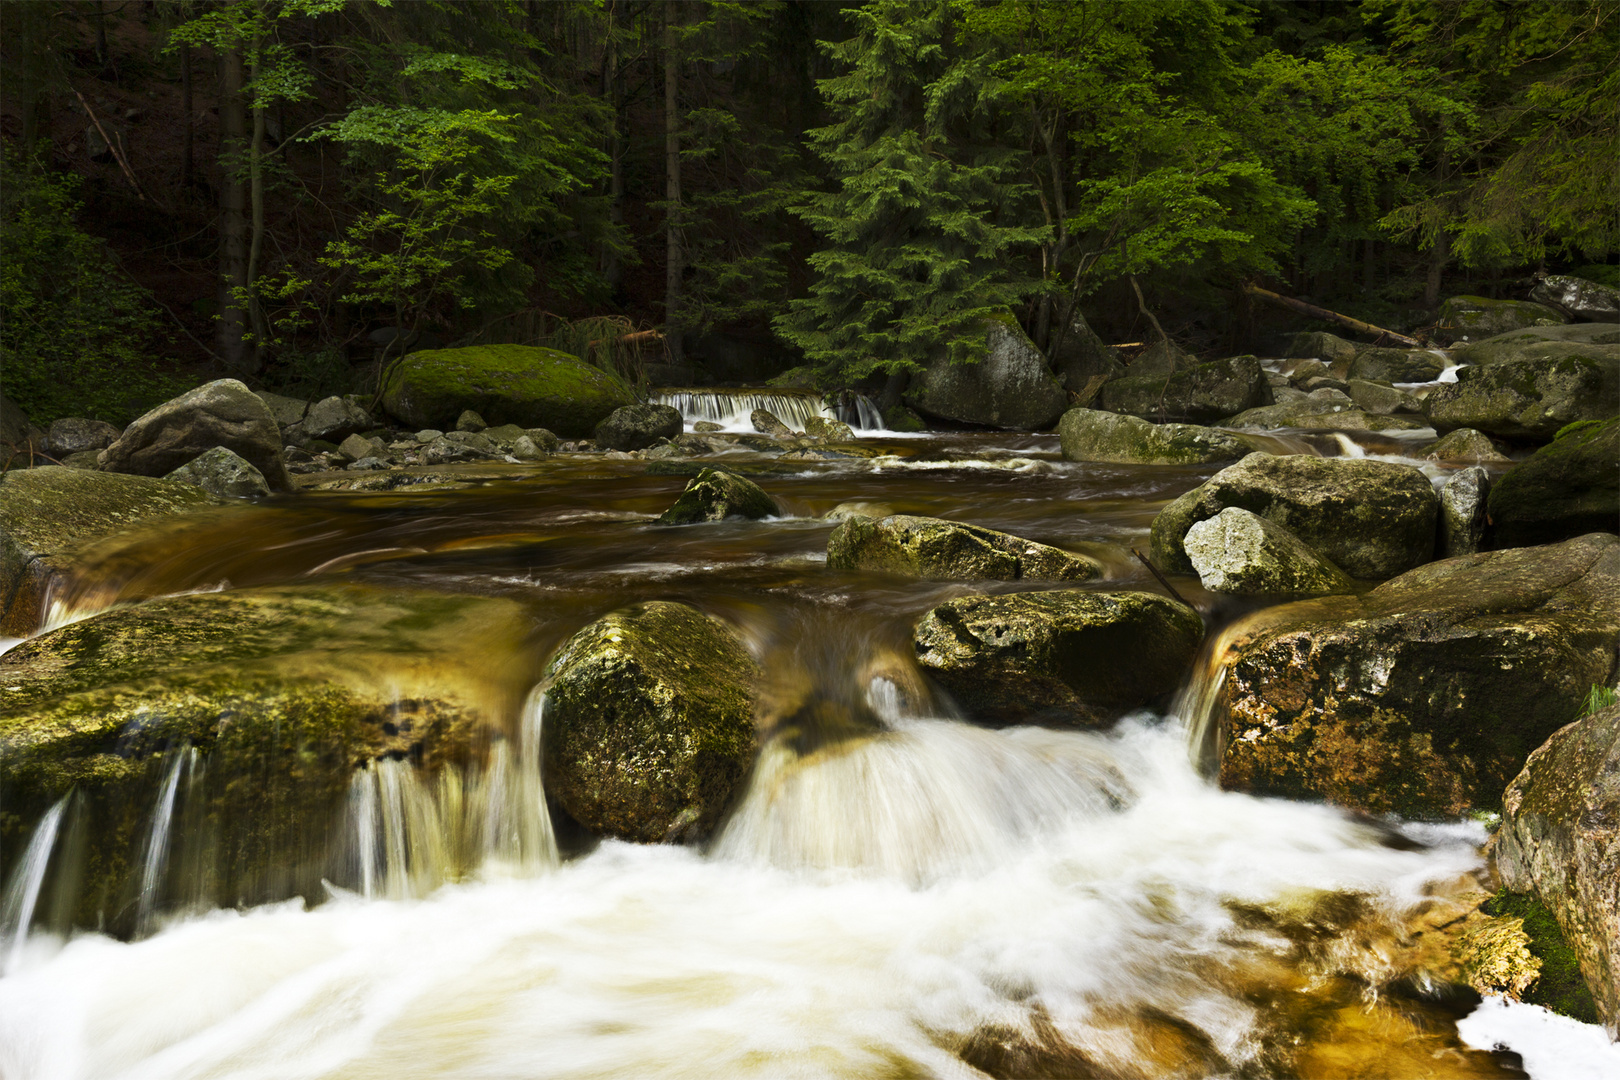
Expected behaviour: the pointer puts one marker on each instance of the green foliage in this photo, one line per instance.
(1560, 986)
(1599, 698)
(75, 331)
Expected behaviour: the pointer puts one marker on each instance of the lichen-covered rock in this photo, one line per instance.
(1197, 395)
(1466, 444)
(823, 427)
(50, 513)
(1527, 399)
(1079, 356)
(1066, 657)
(1372, 519)
(1472, 317)
(1463, 516)
(222, 472)
(221, 413)
(74, 435)
(714, 495)
(282, 692)
(1585, 300)
(1560, 839)
(636, 427)
(938, 550)
(1426, 695)
(1242, 553)
(1380, 399)
(768, 423)
(516, 384)
(1329, 348)
(649, 729)
(286, 410)
(900, 418)
(335, 419)
(1397, 365)
(1567, 488)
(1009, 387)
(1323, 410)
(471, 422)
(1092, 435)
(1536, 341)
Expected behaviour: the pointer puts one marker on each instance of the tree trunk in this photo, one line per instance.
(613, 94)
(233, 232)
(186, 163)
(1439, 255)
(256, 241)
(672, 184)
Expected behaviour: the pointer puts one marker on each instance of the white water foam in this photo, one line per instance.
(733, 409)
(1553, 1047)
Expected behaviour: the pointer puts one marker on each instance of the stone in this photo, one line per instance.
(544, 439)
(1463, 318)
(224, 473)
(636, 427)
(1372, 519)
(1527, 399)
(714, 495)
(649, 730)
(900, 418)
(524, 449)
(221, 413)
(504, 434)
(1066, 657)
(707, 425)
(938, 550)
(17, 433)
(1163, 357)
(1091, 435)
(286, 410)
(75, 435)
(470, 421)
(517, 384)
(1583, 299)
(1306, 370)
(356, 447)
(1321, 410)
(335, 419)
(1311, 386)
(427, 435)
(369, 463)
(1328, 348)
(1462, 512)
(1397, 365)
(1466, 445)
(1567, 488)
(1244, 554)
(1008, 386)
(823, 427)
(1380, 399)
(1197, 395)
(859, 508)
(1425, 696)
(291, 691)
(84, 459)
(766, 423)
(1079, 356)
(1577, 339)
(1560, 839)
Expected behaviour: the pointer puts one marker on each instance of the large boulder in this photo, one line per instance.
(505, 384)
(1583, 299)
(20, 440)
(1466, 445)
(1197, 395)
(1372, 519)
(1008, 387)
(1527, 399)
(286, 410)
(335, 419)
(650, 723)
(714, 495)
(75, 435)
(1331, 349)
(938, 550)
(1080, 357)
(1463, 513)
(1426, 695)
(221, 413)
(1065, 657)
(1092, 435)
(1536, 341)
(221, 472)
(1472, 317)
(1397, 365)
(49, 514)
(284, 693)
(1242, 553)
(1569, 487)
(1323, 410)
(636, 427)
(1560, 839)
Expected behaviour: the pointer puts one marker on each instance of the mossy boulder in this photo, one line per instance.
(221, 413)
(1584, 299)
(1466, 445)
(1092, 435)
(1472, 317)
(1199, 394)
(1569, 487)
(938, 550)
(636, 427)
(1372, 519)
(1527, 399)
(1079, 356)
(1328, 348)
(1325, 409)
(1242, 553)
(1424, 696)
(1007, 386)
(1397, 365)
(1560, 840)
(649, 728)
(506, 384)
(1463, 515)
(49, 514)
(1533, 342)
(282, 692)
(714, 495)
(1065, 657)
(222, 472)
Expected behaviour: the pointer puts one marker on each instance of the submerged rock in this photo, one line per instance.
(1560, 839)
(649, 729)
(1065, 656)
(224, 473)
(1462, 512)
(518, 384)
(636, 427)
(1527, 399)
(1426, 695)
(939, 550)
(1569, 487)
(714, 495)
(221, 413)
(1091, 435)
(1242, 553)
(1372, 519)
(1009, 386)
(1197, 395)
(49, 514)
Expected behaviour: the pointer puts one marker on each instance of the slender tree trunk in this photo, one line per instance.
(256, 205)
(186, 165)
(613, 94)
(672, 183)
(1439, 255)
(233, 232)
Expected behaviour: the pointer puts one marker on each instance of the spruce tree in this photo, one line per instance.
(921, 228)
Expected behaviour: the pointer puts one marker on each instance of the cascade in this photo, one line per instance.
(157, 841)
(731, 409)
(22, 894)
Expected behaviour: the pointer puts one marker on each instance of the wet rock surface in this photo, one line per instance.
(1469, 317)
(714, 495)
(1244, 554)
(518, 384)
(1463, 515)
(1466, 444)
(939, 550)
(636, 427)
(1569, 487)
(221, 413)
(224, 473)
(1583, 299)
(1527, 399)
(1397, 365)
(1010, 387)
(1092, 435)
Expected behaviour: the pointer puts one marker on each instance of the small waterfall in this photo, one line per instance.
(731, 409)
(22, 895)
(157, 841)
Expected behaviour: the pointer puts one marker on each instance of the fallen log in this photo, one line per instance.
(1333, 316)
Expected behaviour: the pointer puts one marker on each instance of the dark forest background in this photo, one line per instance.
(289, 191)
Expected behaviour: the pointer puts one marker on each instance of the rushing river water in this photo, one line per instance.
(913, 896)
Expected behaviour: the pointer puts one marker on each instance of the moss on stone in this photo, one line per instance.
(1560, 986)
(939, 550)
(505, 384)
